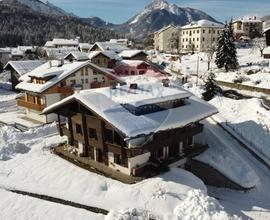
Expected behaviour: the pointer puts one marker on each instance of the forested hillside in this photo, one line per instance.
(20, 25)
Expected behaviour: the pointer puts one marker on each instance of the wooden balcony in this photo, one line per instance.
(30, 105)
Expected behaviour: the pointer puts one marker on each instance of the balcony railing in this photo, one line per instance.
(30, 105)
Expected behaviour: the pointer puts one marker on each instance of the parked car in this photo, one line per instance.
(233, 94)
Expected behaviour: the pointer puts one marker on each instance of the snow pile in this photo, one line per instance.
(198, 205)
(13, 142)
(222, 157)
(9, 148)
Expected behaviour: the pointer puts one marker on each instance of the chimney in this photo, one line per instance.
(166, 82)
(50, 64)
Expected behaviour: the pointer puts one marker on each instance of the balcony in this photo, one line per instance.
(30, 105)
(65, 90)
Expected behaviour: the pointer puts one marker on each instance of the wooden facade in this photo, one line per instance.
(93, 137)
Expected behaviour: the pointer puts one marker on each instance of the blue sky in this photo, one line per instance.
(119, 11)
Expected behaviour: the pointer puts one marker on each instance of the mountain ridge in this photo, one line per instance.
(156, 15)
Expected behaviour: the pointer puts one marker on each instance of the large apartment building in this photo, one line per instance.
(199, 36)
(249, 27)
(196, 36)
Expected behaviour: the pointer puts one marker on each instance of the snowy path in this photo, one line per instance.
(251, 205)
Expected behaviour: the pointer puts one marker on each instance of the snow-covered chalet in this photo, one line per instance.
(130, 128)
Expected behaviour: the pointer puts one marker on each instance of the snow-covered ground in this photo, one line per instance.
(37, 170)
(18, 207)
(221, 156)
(10, 113)
(247, 119)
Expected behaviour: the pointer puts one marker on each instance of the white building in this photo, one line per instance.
(199, 36)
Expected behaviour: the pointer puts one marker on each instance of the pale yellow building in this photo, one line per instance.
(163, 37)
(199, 36)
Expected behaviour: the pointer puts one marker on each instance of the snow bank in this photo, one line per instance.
(222, 157)
(247, 119)
(196, 205)
(13, 142)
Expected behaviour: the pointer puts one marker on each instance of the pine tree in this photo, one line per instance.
(226, 55)
(211, 87)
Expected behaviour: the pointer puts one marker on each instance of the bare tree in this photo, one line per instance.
(174, 43)
(210, 51)
(259, 43)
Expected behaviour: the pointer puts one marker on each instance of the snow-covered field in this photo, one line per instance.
(37, 170)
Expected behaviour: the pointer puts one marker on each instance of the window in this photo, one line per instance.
(126, 72)
(203, 31)
(82, 81)
(86, 81)
(78, 129)
(92, 133)
(81, 72)
(203, 39)
(95, 72)
(214, 39)
(95, 79)
(197, 39)
(209, 31)
(98, 61)
(132, 72)
(86, 72)
(117, 159)
(72, 82)
(198, 31)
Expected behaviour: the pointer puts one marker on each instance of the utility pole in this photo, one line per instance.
(197, 78)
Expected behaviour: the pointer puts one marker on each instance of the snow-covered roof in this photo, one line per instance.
(79, 56)
(266, 29)
(59, 53)
(248, 20)
(24, 66)
(5, 50)
(130, 53)
(165, 28)
(133, 63)
(110, 46)
(266, 51)
(118, 41)
(108, 53)
(49, 44)
(108, 105)
(85, 46)
(62, 42)
(203, 23)
(57, 72)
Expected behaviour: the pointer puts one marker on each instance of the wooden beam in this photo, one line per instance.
(70, 130)
(85, 135)
(59, 124)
